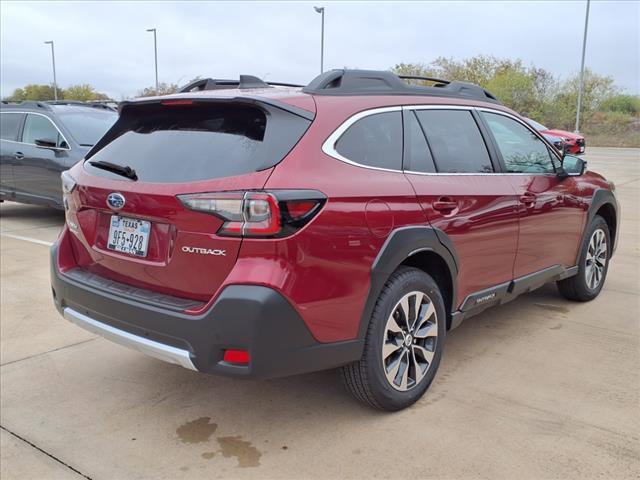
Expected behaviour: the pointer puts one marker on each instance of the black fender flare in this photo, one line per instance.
(401, 244)
(600, 198)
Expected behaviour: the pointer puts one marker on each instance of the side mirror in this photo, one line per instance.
(46, 143)
(572, 166)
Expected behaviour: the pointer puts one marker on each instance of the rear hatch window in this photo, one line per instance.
(176, 142)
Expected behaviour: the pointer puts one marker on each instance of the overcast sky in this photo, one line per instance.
(105, 43)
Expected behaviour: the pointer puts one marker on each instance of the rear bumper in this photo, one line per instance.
(248, 317)
(144, 345)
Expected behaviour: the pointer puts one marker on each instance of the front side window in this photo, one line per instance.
(9, 125)
(455, 141)
(375, 141)
(522, 151)
(37, 127)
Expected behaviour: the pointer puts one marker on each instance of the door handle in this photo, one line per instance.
(445, 204)
(528, 199)
(19, 155)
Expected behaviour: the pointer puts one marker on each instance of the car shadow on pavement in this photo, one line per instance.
(294, 399)
(30, 213)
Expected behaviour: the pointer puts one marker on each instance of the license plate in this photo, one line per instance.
(129, 235)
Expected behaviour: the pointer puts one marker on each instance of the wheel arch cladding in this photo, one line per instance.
(604, 204)
(426, 248)
(436, 267)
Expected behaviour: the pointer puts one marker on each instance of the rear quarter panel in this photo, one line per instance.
(325, 268)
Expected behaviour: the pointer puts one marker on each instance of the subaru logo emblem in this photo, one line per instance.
(115, 201)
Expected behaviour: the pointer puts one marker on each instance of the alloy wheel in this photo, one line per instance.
(596, 259)
(410, 340)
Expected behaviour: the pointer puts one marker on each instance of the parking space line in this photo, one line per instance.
(10, 362)
(27, 239)
(37, 227)
(44, 452)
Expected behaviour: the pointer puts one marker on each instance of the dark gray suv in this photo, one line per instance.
(39, 140)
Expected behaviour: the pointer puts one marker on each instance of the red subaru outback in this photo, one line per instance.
(255, 230)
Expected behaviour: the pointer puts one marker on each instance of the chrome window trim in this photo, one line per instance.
(328, 147)
(439, 107)
(33, 144)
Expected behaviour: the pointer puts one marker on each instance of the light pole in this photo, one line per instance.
(584, 49)
(53, 59)
(155, 50)
(320, 10)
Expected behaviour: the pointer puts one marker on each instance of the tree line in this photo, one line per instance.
(609, 116)
(82, 92)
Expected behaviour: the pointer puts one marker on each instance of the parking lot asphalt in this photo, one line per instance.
(538, 388)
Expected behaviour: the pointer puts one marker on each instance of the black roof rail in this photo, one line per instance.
(245, 82)
(27, 103)
(374, 82)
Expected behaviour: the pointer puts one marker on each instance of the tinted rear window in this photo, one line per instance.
(9, 125)
(190, 143)
(455, 141)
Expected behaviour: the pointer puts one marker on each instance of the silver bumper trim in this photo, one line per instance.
(144, 345)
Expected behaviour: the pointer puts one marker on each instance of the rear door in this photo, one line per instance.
(10, 125)
(215, 149)
(551, 209)
(36, 171)
(450, 168)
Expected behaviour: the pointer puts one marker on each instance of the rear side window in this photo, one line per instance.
(455, 141)
(9, 125)
(38, 127)
(375, 141)
(169, 144)
(417, 156)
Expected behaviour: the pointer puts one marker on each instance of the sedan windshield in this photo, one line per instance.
(88, 127)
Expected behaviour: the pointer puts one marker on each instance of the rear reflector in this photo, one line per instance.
(240, 357)
(258, 214)
(299, 208)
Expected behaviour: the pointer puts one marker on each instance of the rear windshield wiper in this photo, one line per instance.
(115, 168)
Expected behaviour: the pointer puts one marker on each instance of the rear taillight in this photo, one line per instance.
(262, 214)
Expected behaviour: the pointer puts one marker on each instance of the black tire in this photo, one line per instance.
(366, 379)
(577, 288)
